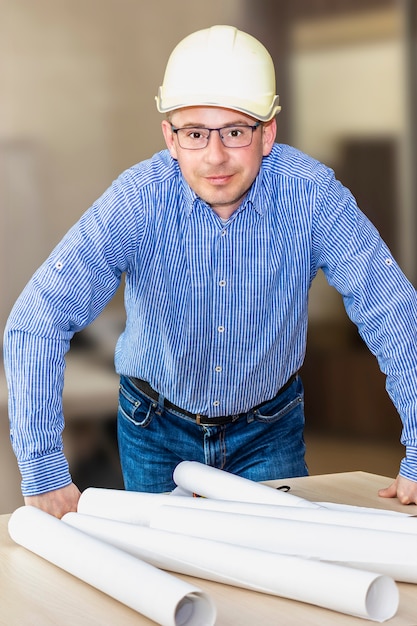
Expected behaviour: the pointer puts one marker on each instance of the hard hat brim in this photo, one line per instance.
(264, 111)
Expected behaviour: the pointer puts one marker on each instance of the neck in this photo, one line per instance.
(224, 212)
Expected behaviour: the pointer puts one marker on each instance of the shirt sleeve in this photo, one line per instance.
(377, 296)
(65, 294)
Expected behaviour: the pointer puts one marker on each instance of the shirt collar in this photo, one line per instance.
(189, 196)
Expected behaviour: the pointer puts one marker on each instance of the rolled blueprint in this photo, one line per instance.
(144, 588)
(211, 482)
(137, 508)
(125, 506)
(346, 590)
(385, 552)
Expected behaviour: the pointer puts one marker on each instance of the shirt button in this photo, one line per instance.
(220, 329)
(222, 283)
(218, 368)
(216, 403)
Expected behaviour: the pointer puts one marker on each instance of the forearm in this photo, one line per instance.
(35, 374)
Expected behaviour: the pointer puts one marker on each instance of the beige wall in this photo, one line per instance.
(366, 99)
(78, 80)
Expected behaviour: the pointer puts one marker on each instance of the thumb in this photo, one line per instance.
(389, 492)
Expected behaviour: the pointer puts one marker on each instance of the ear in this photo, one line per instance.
(268, 136)
(169, 138)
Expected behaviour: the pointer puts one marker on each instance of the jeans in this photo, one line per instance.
(264, 444)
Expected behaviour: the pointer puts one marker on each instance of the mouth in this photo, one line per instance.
(218, 180)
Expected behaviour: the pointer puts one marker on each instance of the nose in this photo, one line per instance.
(215, 150)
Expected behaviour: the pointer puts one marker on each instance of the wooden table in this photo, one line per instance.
(35, 593)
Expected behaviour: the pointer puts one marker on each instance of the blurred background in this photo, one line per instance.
(77, 86)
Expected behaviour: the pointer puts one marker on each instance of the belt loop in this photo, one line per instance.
(160, 405)
(198, 419)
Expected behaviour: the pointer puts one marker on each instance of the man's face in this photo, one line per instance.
(220, 176)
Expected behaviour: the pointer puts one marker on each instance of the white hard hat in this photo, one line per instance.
(220, 66)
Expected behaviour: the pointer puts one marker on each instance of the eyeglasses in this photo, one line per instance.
(237, 136)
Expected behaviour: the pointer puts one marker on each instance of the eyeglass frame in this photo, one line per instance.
(253, 127)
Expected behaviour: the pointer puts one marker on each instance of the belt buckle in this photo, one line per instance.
(198, 419)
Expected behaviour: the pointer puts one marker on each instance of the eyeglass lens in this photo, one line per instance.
(237, 136)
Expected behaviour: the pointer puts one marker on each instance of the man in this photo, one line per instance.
(219, 238)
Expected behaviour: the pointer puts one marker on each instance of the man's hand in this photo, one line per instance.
(402, 488)
(56, 502)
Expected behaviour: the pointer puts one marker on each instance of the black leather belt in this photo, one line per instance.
(147, 390)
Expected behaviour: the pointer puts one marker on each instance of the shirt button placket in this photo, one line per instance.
(221, 308)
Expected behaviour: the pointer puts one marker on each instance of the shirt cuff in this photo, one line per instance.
(408, 466)
(44, 474)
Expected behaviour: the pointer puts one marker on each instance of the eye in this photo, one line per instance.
(195, 134)
(235, 132)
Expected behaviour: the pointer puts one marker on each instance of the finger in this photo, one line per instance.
(388, 492)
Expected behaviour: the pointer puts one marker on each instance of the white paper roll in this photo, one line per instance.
(363, 518)
(334, 587)
(124, 506)
(137, 508)
(211, 482)
(118, 574)
(385, 552)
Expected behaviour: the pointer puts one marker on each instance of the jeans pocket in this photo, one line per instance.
(134, 408)
(274, 411)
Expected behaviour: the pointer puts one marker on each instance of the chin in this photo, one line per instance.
(222, 199)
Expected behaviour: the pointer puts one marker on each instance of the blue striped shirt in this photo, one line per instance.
(216, 313)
